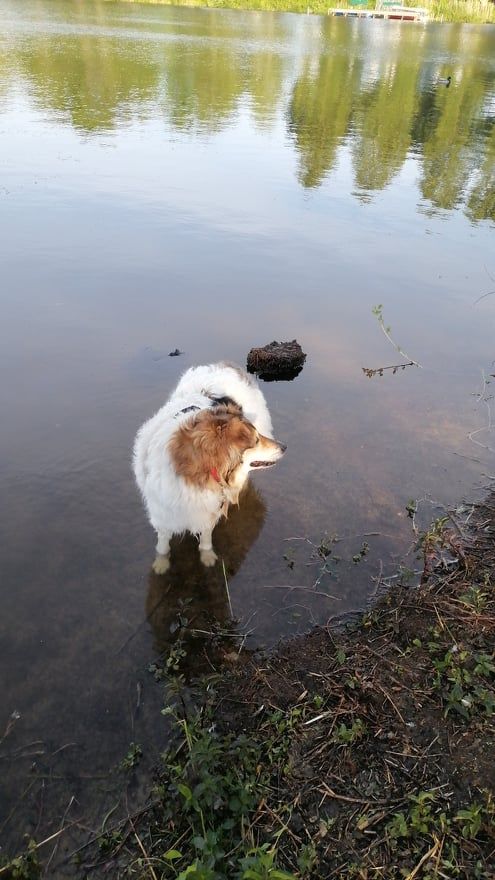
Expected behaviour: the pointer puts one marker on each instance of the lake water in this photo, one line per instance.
(213, 180)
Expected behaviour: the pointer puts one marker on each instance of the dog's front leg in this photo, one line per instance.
(162, 558)
(206, 552)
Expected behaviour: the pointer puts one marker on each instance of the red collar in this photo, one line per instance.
(216, 476)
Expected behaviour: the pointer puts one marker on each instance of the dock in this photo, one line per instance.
(391, 12)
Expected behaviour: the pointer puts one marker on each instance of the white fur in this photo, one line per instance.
(173, 505)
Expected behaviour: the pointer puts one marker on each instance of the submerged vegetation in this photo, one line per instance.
(361, 754)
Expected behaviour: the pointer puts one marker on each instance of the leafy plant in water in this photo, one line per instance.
(379, 371)
(132, 758)
(23, 867)
(358, 557)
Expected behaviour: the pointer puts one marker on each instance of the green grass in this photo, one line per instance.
(469, 11)
(472, 11)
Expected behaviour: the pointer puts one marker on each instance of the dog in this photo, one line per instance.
(193, 457)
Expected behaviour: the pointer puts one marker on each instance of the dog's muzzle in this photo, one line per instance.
(266, 464)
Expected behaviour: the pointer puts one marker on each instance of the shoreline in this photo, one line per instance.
(439, 11)
(362, 753)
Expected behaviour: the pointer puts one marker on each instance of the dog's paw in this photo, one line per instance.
(208, 557)
(161, 564)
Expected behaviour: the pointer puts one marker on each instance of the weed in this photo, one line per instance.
(475, 597)
(23, 867)
(463, 679)
(358, 557)
(348, 735)
(210, 794)
(132, 758)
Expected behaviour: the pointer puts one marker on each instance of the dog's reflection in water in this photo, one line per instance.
(188, 606)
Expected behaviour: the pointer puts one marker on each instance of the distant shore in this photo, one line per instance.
(460, 11)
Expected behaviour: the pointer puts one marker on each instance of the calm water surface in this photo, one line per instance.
(212, 180)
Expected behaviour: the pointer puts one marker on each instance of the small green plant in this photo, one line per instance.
(215, 784)
(463, 679)
(132, 758)
(423, 818)
(109, 841)
(259, 865)
(475, 597)
(23, 867)
(358, 557)
(347, 735)
(412, 508)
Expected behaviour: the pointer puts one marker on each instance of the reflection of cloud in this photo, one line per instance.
(190, 592)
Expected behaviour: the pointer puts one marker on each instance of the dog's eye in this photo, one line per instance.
(257, 441)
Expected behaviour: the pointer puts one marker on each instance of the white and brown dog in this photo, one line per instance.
(193, 457)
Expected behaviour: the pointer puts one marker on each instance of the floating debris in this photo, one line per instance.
(277, 360)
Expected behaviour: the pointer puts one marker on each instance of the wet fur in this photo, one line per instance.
(191, 465)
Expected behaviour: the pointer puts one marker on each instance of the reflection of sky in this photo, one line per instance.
(120, 246)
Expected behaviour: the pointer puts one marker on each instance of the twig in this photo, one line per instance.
(227, 588)
(145, 854)
(378, 312)
(115, 827)
(389, 698)
(307, 590)
(481, 398)
(428, 855)
(373, 371)
(351, 800)
(43, 842)
(490, 293)
(62, 828)
(14, 716)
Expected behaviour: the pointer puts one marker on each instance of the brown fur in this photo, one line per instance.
(213, 439)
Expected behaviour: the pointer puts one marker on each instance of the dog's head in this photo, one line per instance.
(220, 444)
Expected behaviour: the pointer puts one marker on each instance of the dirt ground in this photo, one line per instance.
(361, 753)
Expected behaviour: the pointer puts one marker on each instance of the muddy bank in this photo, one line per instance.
(364, 753)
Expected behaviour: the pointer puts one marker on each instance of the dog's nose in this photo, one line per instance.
(283, 447)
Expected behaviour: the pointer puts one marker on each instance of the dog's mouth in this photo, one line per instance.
(262, 464)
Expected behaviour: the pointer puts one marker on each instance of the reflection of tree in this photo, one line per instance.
(320, 111)
(319, 115)
(264, 83)
(92, 79)
(204, 83)
(448, 129)
(207, 76)
(452, 150)
(373, 88)
(481, 202)
(384, 122)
